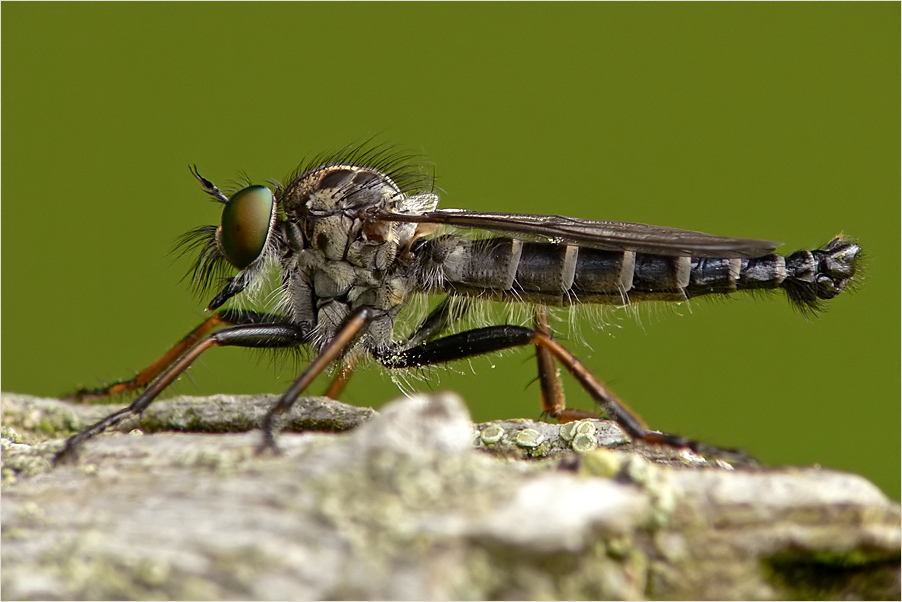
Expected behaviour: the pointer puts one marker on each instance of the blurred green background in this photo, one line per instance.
(776, 121)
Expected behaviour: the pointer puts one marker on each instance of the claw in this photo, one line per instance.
(268, 448)
(67, 457)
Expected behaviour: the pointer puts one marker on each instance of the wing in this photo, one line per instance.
(610, 236)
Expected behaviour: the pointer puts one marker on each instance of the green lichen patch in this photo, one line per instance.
(859, 573)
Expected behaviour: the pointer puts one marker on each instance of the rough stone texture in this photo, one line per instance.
(404, 507)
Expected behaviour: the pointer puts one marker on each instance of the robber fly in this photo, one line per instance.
(354, 235)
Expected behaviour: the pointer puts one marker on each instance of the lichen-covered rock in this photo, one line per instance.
(404, 507)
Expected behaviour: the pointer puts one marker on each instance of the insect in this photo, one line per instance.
(353, 236)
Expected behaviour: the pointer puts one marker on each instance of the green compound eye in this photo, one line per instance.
(246, 221)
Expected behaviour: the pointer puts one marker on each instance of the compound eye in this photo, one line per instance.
(246, 222)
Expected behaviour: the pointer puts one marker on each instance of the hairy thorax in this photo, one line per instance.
(347, 261)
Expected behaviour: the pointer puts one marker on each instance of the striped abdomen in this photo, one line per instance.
(562, 274)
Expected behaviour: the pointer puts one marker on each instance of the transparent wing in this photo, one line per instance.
(610, 236)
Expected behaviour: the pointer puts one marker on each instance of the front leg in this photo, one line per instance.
(248, 335)
(229, 317)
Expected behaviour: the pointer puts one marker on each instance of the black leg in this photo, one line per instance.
(445, 313)
(247, 335)
(221, 319)
(450, 310)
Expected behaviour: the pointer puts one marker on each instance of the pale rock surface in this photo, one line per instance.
(416, 502)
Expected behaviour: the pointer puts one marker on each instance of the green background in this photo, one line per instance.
(776, 121)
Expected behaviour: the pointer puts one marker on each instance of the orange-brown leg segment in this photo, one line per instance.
(343, 337)
(221, 319)
(338, 384)
(267, 335)
(554, 404)
(610, 404)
